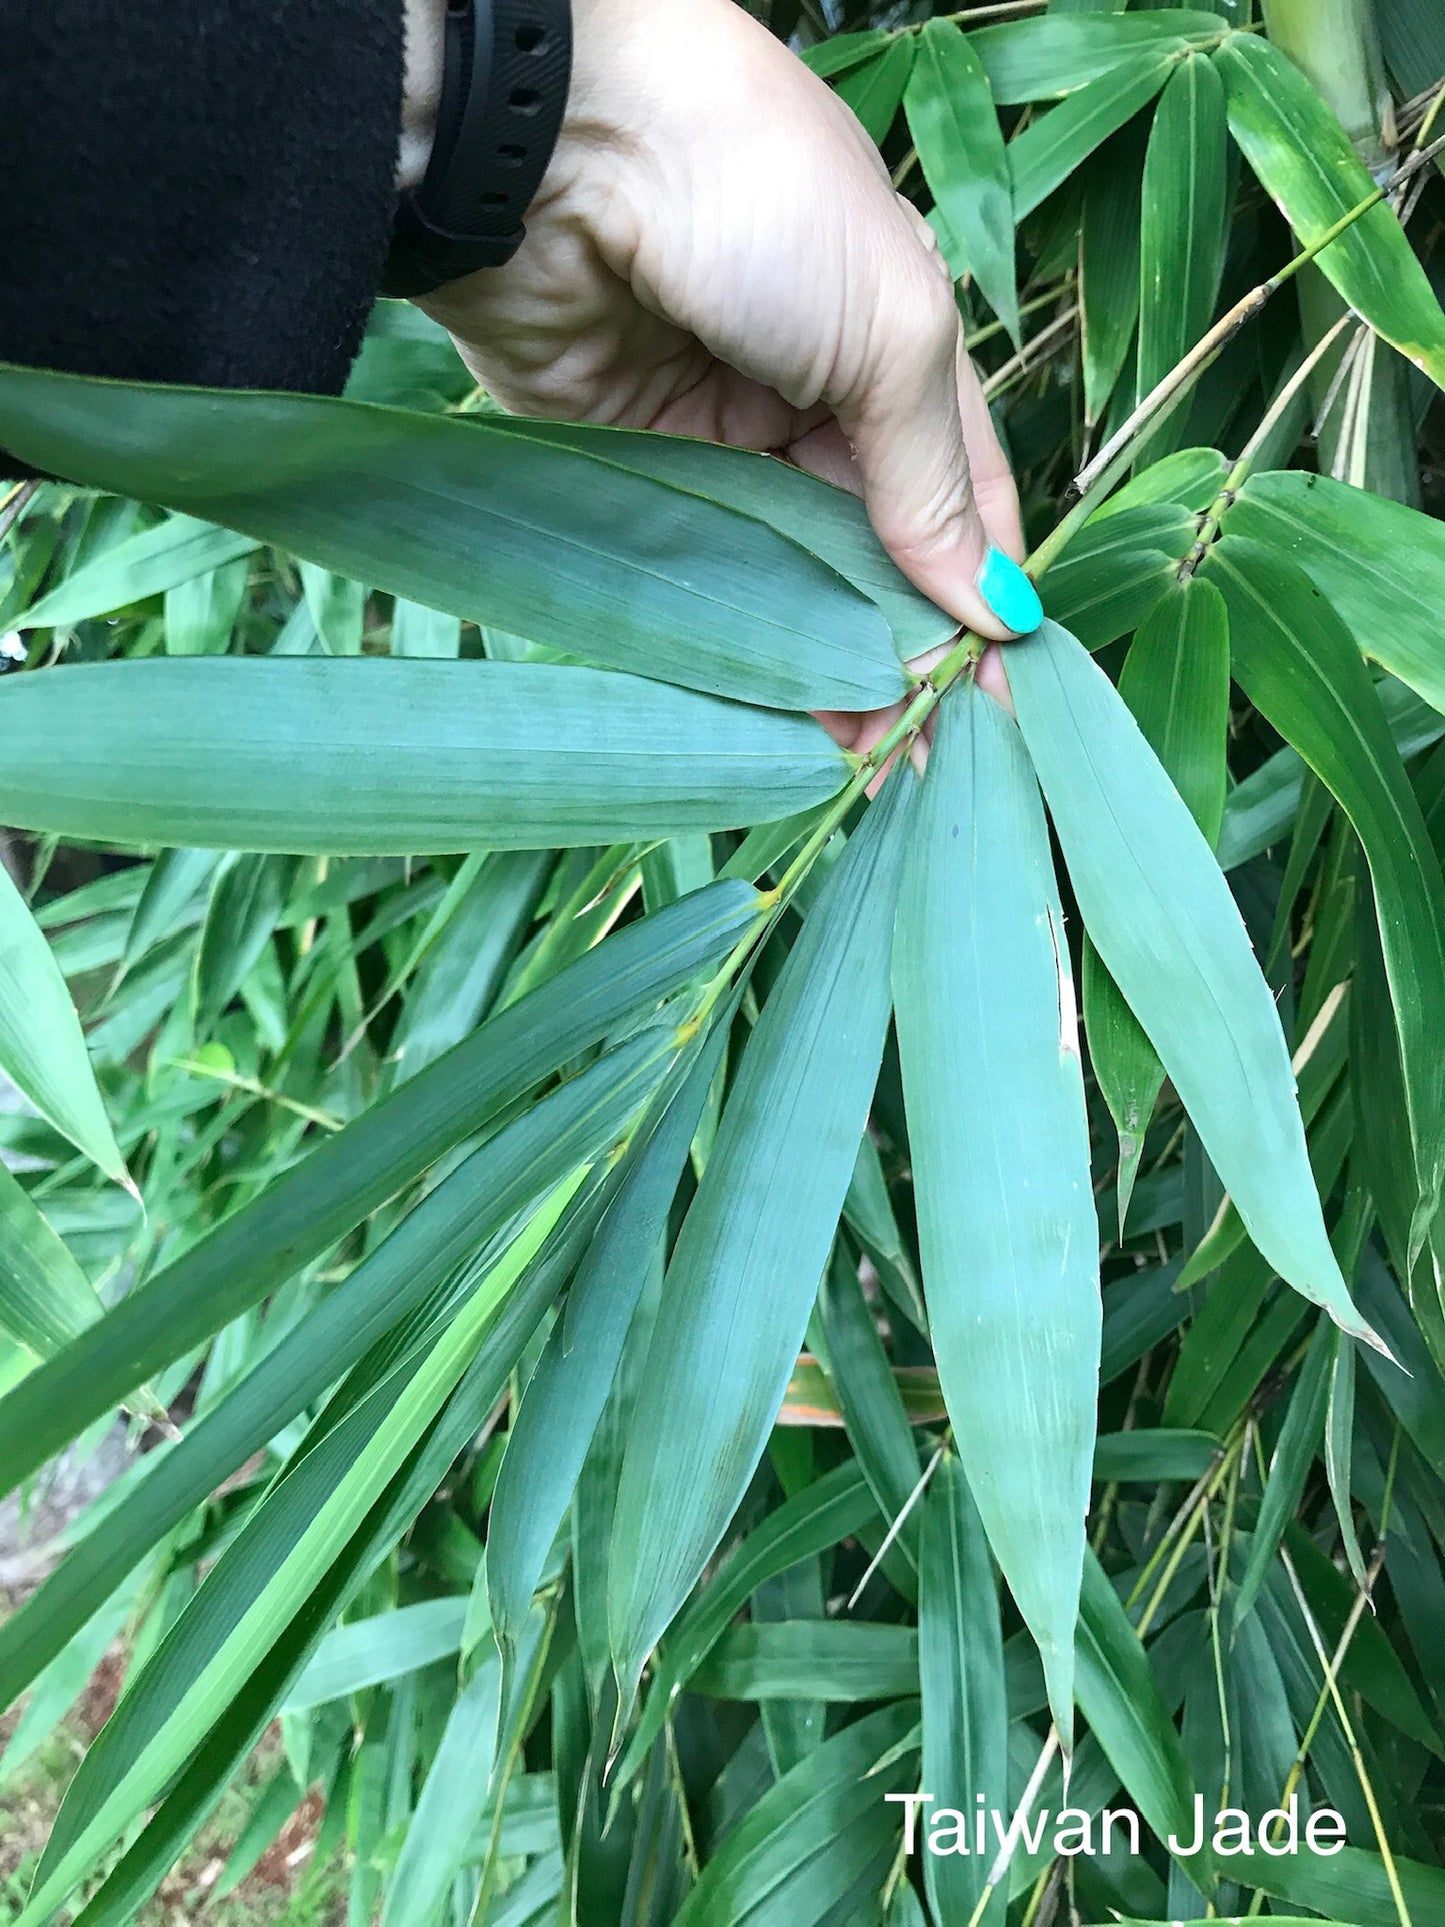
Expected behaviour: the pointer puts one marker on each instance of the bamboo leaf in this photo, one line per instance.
(1182, 227)
(452, 1799)
(745, 1270)
(307, 1208)
(1304, 159)
(1108, 270)
(1157, 907)
(1176, 681)
(251, 1593)
(1119, 1697)
(875, 90)
(798, 1851)
(832, 1508)
(960, 148)
(563, 1403)
(474, 517)
(45, 1297)
(1117, 569)
(376, 755)
(176, 551)
(961, 1667)
(41, 1046)
(1044, 59)
(1046, 153)
(243, 908)
(1349, 543)
(1296, 662)
(367, 1652)
(999, 1141)
(1299, 1440)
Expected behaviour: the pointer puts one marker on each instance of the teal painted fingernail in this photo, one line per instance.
(1009, 593)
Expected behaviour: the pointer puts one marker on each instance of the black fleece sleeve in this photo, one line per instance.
(196, 190)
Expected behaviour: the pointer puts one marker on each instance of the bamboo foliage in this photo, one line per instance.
(678, 1332)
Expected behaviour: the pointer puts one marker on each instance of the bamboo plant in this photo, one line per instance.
(681, 1294)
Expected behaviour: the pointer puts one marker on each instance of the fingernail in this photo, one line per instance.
(1009, 593)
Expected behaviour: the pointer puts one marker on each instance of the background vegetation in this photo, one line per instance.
(462, 1009)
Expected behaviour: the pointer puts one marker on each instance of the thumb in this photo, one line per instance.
(901, 411)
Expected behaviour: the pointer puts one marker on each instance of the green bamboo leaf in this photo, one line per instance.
(798, 1851)
(1117, 569)
(375, 1314)
(452, 1799)
(1299, 1440)
(831, 1509)
(1047, 153)
(377, 755)
(42, 1049)
(1349, 543)
(1192, 476)
(1000, 1150)
(201, 613)
(843, 50)
(463, 969)
(960, 148)
(419, 631)
(337, 607)
(1153, 1453)
(471, 516)
(1044, 59)
(1413, 34)
(875, 91)
(1182, 228)
(563, 1402)
(871, 1407)
(1305, 160)
(305, 1210)
(243, 908)
(961, 1667)
(1108, 270)
(156, 560)
(1120, 1698)
(833, 1661)
(1296, 662)
(250, 1595)
(1156, 905)
(831, 523)
(745, 1270)
(45, 1297)
(176, 878)
(1352, 1884)
(1176, 681)
(367, 1652)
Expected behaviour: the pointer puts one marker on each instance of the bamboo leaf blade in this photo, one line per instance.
(347, 1176)
(42, 1048)
(565, 1395)
(1297, 663)
(1156, 906)
(1182, 227)
(1000, 1151)
(466, 515)
(961, 1670)
(1046, 153)
(747, 1263)
(1028, 60)
(1305, 161)
(961, 150)
(1350, 544)
(373, 755)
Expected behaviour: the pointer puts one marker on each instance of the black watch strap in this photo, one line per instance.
(504, 88)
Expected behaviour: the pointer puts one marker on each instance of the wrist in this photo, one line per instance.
(425, 29)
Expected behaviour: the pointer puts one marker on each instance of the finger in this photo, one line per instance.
(901, 411)
(994, 489)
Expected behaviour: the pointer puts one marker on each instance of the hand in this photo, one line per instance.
(717, 251)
